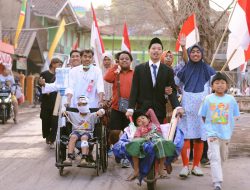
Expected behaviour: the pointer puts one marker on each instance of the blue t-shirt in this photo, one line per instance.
(219, 112)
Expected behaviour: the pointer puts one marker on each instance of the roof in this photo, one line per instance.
(54, 10)
(25, 42)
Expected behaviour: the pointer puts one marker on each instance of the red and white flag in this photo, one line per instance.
(75, 46)
(96, 42)
(239, 25)
(125, 39)
(191, 32)
(239, 38)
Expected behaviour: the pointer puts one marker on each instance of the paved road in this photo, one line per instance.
(27, 163)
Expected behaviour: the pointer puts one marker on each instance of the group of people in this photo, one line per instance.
(150, 90)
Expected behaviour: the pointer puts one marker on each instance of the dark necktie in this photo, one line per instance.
(154, 70)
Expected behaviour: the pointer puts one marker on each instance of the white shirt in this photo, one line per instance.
(152, 70)
(79, 81)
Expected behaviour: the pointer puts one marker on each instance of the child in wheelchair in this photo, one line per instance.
(82, 129)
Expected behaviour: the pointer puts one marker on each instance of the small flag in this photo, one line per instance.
(125, 39)
(20, 22)
(239, 37)
(96, 42)
(239, 25)
(191, 32)
(57, 38)
(75, 46)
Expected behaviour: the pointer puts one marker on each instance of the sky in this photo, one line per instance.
(215, 4)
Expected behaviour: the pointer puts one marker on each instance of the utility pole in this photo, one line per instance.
(28, 14)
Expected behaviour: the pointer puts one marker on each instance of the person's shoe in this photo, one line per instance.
(83, 162)
(184, 172)
(205, 161)
(15, 121)
(52, 146)
(197, 171)
(125, 163)
(68, 162)
(217, 188)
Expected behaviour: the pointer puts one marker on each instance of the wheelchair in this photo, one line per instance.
(98, 144)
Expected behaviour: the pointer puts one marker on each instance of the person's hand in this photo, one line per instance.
(118, 70)
(212, 139)
(100, 112)
(101, 104)
(41, 81)
(168, 90)
(182, 40)
(180, 112)
(129, 114)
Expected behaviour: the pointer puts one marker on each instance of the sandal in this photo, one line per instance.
(132, 177)
(163, 175)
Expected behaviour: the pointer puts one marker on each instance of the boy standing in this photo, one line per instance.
(218, 111)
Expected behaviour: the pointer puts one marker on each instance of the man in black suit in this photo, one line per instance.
(150, 83)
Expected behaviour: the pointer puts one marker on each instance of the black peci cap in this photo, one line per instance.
(155, 41)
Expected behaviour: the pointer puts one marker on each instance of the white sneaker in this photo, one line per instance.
(197, 171)
(184, 172)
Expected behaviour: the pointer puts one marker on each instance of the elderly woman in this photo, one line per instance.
(194, 77)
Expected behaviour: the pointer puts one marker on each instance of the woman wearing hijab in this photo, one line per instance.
(194, 77)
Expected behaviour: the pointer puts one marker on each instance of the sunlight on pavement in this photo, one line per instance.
(30, 153)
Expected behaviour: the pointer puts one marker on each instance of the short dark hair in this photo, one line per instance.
(55, 60)
(219, 76)
(74, 51)
(117, 56)
(87, 51)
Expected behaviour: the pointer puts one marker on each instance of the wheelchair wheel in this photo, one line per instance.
(151, 181)
(59, 160)
(97, 160)
(103, 150)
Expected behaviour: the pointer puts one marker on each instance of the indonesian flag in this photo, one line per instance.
(75, 46)
(239, 38)
(20, 22)
(125, 39)
(239, 25)
(191, 32)
(96, 42)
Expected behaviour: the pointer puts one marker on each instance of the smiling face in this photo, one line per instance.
(75, 59)
(124, 61)
(195, 54)
(155, 52)
(220, 87)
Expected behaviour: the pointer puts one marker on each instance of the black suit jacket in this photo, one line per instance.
(144, 95)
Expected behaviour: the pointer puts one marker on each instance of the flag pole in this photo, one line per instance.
(231, 56)
(223, 36)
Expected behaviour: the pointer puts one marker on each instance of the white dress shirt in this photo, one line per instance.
(79, 81)
(152, 70)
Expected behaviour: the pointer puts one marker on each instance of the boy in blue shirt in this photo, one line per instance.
(218, 111)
